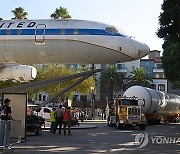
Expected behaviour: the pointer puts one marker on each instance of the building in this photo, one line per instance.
(153, 66)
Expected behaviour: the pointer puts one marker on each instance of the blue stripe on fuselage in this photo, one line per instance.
(58, 32)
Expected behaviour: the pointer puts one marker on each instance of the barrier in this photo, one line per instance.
(10, 133)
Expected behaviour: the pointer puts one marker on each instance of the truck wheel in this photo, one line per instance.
(38, 131)
(142, 127)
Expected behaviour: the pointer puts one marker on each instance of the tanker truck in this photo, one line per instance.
(156, 105)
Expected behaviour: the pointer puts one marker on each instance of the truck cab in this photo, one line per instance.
(125, 112)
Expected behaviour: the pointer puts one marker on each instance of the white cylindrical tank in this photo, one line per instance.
(155, 101)
(22, 73)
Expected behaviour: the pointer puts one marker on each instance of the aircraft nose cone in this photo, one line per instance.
(143, 50)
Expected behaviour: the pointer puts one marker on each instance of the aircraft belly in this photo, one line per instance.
(58, 51)
(68, 51)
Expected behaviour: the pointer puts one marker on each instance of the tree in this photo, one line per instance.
(112, 79)
(50, 71)
(139, 77)
(19, 13)
(169, 30)
(60, 13)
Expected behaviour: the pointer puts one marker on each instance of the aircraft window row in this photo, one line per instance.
(111, 30)
(8, 32)
(19, 32)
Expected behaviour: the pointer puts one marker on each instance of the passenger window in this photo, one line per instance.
(75, 31)
(8, 32)
(63, 31)
(19, 32)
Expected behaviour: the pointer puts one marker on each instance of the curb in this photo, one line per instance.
(78, 127)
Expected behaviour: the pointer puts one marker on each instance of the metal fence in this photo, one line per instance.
(10, 133)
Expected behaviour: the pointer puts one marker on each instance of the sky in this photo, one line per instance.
(137, 18)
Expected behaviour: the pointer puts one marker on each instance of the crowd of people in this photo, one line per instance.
(61, 117)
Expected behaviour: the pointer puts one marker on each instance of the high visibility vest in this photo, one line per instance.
(67, 115)
(52, 118)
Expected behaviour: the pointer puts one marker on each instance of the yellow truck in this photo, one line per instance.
(124, 112)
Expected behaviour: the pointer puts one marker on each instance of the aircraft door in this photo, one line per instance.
(40, 33)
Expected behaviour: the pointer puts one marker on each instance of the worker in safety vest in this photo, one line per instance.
(53, 121)
(67, 117)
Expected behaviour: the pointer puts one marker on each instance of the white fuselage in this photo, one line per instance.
(66, 41)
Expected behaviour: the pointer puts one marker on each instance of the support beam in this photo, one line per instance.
(24, 88)
(63, 91)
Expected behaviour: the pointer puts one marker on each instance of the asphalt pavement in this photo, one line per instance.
(104, 139)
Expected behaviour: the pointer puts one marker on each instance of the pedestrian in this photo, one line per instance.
(67, 120)
(52, 120)
(81, 116)
(59, 119)
(6, 117)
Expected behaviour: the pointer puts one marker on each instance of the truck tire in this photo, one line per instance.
(142, 127)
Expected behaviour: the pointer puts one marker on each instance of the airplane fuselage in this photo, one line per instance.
(66, 41)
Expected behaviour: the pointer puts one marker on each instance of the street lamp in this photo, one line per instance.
(92, 102)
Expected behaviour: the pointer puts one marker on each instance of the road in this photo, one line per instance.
(102, 139)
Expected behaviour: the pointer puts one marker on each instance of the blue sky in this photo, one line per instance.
(137, 18)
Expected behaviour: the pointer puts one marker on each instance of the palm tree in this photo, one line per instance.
(139, 77)
(19, 13)
(112, 79)
(60, 13)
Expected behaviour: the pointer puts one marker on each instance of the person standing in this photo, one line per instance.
(59, 119)
(6, 117)
(67, 120)
(52, 120)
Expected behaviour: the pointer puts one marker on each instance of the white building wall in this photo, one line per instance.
(131, 66)
(159, 82)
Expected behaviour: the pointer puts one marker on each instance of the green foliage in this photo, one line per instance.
(139, 77)
(171, 60)
(8, 83)
(60, 13)
(169, 20)
(169, 30)
(19, 13)
(112, 79)
(51, 70)
(112, 76)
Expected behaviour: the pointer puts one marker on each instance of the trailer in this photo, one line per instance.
(157, 106)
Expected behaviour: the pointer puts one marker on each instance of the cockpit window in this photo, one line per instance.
(111, 30)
